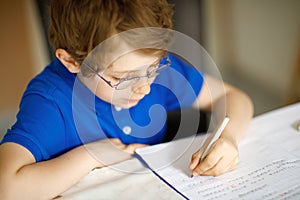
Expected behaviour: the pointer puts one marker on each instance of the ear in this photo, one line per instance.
(67, 60)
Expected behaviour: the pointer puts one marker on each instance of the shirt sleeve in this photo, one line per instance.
(38, 127)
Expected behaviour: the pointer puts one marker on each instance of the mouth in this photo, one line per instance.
(132, 101)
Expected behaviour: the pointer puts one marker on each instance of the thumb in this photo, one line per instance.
(132, 147)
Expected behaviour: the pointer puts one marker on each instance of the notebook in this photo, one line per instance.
(269, 166)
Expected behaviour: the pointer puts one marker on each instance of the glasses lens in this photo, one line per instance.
(127, 83)
(154, 70)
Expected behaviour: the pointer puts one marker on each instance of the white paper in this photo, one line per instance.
(269, 165)
(126, 180)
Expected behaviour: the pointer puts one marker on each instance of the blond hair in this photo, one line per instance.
(78, 26)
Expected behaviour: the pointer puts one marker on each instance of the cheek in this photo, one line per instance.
(104, 92)
(115, 97)
(118, 95)
(108, 94)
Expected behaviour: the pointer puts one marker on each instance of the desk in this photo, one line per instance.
(126, 180)
(276, 127)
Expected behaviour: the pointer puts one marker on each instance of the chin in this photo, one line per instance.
(129, 105)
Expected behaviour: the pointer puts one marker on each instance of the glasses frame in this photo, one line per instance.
(116, 86)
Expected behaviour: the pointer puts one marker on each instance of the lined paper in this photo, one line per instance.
(269, 165)
(264, 172)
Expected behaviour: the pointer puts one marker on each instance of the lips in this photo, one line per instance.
(132, 101)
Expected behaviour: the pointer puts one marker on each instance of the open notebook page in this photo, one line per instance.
(269, 166)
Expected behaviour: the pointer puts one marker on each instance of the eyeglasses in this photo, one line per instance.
(128, 82)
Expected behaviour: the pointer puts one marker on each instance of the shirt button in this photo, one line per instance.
(118, 108)
(127, 130)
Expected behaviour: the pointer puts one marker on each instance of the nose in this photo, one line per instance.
(142, 89)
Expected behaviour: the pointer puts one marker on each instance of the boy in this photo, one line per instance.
(46, 151)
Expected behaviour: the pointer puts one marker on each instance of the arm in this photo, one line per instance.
(222, 99)
(22, 178)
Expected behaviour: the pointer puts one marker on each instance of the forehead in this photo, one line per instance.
(133, 61)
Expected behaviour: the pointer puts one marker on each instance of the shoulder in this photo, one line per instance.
(46, 99)
(179, 84)
(54, 80)
(180, 73)
(181, 64)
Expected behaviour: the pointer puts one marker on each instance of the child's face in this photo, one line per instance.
(128, 66)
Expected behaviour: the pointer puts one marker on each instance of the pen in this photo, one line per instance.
(216, 136)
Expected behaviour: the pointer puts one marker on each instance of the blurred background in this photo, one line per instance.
(255, 44)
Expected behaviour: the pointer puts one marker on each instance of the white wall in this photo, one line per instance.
(267, 39)
(257, 39)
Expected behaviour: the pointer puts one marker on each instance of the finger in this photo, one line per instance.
(195, 160)
(221, 167)
(229, 159)
(234, 165)
(132, 147)
(117, 144)
(212, 158)
(115, 141)
(196, 157)
(139, 146)
(214, 155)
(209, 162)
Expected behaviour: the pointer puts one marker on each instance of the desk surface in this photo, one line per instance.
(136, 181)
(127, 180)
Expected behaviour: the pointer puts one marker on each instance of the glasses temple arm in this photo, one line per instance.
(95, 72)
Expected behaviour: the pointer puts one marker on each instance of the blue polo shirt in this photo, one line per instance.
(58, 113)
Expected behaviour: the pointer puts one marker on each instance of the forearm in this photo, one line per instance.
(222, 100)
(45, 180)
(239, 108)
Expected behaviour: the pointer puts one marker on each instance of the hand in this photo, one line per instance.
(222, 157)
(126, 148)
(111, 151)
